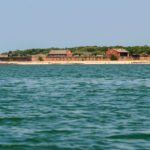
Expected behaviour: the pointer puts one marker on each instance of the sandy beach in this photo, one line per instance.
(72, 62)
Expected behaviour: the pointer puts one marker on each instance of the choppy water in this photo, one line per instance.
(75, 107)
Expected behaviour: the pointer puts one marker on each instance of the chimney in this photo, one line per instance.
(50, 50)
(77, 51)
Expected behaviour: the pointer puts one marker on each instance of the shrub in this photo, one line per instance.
(113, 57)
(40, 58)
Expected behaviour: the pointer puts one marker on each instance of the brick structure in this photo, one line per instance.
(60, 53)
(17, 58)
(119, 52)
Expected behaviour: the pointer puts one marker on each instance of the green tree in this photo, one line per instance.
(113, 57)
(40, 58)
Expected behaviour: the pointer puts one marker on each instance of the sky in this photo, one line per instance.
(28, 24)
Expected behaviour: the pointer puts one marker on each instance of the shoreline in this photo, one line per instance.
(72, 62)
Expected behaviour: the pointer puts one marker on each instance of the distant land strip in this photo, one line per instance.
(82, 50)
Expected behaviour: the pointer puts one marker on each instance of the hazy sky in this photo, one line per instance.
(64, 23)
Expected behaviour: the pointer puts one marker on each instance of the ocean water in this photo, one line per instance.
(75, 107)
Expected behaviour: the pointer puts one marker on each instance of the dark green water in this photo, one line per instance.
(75, 107)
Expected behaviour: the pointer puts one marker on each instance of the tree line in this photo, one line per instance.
(82, 50)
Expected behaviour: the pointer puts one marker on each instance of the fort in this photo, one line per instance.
(67, 56)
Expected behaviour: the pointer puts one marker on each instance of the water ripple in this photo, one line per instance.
(74, 107)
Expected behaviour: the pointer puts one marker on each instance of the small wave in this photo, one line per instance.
(29, 146)
(56, 131)
(125, 89)
(11, 119)
(97, 90)
(131, 136)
